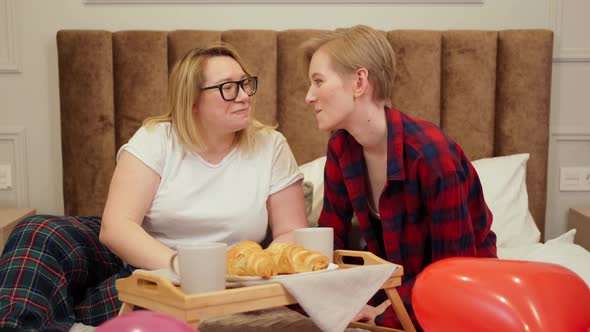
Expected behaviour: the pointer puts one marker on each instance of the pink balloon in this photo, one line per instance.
(144, 321)
(485, 294)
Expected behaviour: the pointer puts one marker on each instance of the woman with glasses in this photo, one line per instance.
(204, 171)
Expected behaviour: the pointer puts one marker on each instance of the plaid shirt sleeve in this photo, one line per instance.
(456, 214)
(459, 223)
(337, 209)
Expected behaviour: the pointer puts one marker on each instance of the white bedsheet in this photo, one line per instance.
(561, 251)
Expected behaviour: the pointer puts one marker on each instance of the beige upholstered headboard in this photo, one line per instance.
(489, 90)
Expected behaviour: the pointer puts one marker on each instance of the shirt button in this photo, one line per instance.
(388, 242)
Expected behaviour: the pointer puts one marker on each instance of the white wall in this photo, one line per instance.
(570, 116)
(29, 97)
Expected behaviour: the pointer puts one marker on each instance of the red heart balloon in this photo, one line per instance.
(486, 294)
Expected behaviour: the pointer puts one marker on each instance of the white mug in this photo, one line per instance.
(320, 239)
(201, 265)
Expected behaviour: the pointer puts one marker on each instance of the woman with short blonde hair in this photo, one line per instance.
(358, 47)
(416, 195)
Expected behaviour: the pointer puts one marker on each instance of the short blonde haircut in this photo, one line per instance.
(184, 89)
(358, 47)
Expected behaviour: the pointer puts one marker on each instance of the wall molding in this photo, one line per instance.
(571, 134)
(279, 1)
(561, 54)
(16, 136)
(10, 63)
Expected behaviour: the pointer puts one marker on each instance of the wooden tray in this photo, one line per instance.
(159, 294)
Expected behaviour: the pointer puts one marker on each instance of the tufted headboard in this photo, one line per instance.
(489, 90)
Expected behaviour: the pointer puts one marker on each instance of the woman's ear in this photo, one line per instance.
(361, 82)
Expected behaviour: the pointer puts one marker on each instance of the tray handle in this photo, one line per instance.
(149, 285)
(368, 258)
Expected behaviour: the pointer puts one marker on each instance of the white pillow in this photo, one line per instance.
(504, 187)
(568, 238)
(564, 252)
(313, 172)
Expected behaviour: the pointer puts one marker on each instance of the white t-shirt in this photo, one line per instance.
(201, 202)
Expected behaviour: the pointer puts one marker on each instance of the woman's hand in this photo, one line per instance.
(368, 313)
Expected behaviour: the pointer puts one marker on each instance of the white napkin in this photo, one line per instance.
(331, 298)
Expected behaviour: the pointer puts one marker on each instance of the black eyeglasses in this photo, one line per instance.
(229, 90)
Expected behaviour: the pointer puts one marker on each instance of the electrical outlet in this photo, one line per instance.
(5, 176)
(574, 179)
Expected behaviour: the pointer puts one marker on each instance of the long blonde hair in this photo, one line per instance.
(358, 47)
(184, 89)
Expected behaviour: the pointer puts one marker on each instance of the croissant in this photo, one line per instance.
(282, 262)
(248, 259)
(291, 258)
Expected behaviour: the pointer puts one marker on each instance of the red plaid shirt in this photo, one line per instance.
(432, 206)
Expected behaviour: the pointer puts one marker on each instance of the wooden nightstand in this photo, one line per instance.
(579, 218)
(9, 217)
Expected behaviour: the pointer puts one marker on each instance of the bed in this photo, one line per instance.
(488, 90)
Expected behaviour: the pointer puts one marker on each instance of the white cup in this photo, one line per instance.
(320, 239)
(201, 265)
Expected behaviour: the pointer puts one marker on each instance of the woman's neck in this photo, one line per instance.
(368, 126)
(218, 145)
